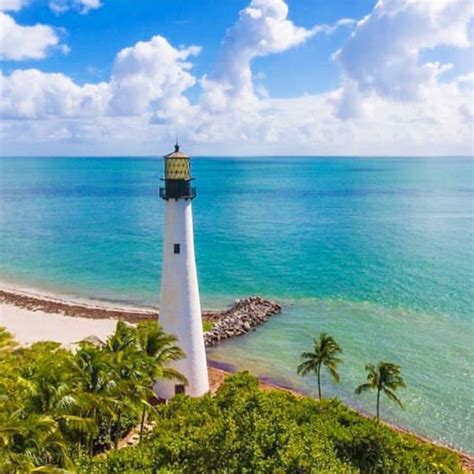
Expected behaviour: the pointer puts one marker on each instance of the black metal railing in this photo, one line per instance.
(167, 193)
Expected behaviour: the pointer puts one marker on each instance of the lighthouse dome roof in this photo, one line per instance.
(176, 153)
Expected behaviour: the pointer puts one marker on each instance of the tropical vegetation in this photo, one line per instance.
(56, 405)
(63, 411)
(244, 429)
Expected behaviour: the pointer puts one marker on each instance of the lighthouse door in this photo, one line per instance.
(179, 389)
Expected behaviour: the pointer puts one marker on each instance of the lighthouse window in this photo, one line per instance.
(179, 389)
(176, 248)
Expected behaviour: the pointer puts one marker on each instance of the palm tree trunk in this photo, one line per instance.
(378, 404)
(110, 432)
(91, 438)
(319, 382)
(117, 432)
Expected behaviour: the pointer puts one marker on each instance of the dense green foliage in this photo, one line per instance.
(243, 429)
(56, 405)
(63, 411)
(325, 354)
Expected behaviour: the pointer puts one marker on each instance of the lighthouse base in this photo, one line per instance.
(167, 389)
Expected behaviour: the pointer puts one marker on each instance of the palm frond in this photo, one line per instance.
(392, 396)
(365, 387)
(334, 374)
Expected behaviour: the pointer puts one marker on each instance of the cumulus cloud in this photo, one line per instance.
(32, 94)
(382, 56)
(350, 101)
(151, 73)
(148, 77)
(263, 28)
(406, 108)
(82, 6)
(303, 125)
(12, 5)
(19, 42)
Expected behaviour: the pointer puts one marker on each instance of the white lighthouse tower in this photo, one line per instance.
(180, 306)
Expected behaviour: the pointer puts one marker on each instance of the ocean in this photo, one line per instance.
(378, 252)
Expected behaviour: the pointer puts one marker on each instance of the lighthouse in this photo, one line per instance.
(180, 306)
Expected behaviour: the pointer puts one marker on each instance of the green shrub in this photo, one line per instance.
(245, 430)
(207, 325)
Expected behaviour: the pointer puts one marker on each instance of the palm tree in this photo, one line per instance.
(30, 441)
(93, 377)
(124, 336)
(326, 351)
(384, 378)
(158, 344)
(138, 357)
(160, 349)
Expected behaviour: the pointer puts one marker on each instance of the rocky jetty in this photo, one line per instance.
(242, 317)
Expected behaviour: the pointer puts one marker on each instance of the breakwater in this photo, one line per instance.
(242, 317)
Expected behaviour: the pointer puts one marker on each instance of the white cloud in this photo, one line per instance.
(148, 77)
(308, 125)
(82, 6)
(19, 42)
(32, 94)
(88, 5)
(349, 104)
(262, 28)
(12, 5)
(151, 73)
(145, 101)
(466, 78)
(382, 55)
(303, 125)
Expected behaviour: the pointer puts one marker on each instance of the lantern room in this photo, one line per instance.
(177, 176)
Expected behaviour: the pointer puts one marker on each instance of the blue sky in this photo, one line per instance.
(237, 77)
(115, 26)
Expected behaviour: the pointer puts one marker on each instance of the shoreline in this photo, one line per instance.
(241, 317)
(33, 300)
(95, 317)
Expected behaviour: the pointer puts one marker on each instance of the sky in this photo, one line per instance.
(237, 77)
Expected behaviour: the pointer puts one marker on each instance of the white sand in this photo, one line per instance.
(32, 326)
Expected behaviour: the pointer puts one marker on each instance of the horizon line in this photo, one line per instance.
(243, 156)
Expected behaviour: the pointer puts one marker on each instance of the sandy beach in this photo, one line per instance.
(32, 326)
(33, 317)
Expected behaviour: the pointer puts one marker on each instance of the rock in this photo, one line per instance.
(243, 316)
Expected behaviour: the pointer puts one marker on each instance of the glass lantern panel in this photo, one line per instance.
(177, 168)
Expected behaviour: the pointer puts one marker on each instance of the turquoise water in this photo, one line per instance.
(376, 251)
